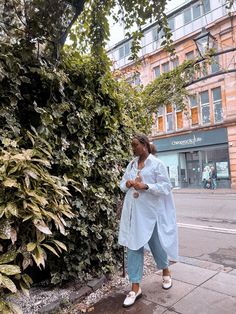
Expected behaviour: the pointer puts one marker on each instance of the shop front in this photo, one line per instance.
(187, 157)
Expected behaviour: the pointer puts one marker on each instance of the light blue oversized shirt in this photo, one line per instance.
(155, 205)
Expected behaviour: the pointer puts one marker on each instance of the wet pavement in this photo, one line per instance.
(198, 288)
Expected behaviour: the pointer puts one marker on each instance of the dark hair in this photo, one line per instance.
(144, 140)
(153, 149)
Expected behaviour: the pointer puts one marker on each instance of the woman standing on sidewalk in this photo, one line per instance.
(148, 216)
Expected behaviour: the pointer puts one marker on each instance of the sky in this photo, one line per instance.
(117, 33)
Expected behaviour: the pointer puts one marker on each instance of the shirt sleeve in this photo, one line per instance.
(126, 177)
(163, 184)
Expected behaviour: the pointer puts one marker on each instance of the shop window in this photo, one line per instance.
(194, 109)
(205, 107)
(169, 118)
(217, 104)
(157, 71)
(165, 67)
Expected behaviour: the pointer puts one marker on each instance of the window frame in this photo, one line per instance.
(214, 102)
(204, 105)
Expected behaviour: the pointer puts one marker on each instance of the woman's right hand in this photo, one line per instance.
(129, 183)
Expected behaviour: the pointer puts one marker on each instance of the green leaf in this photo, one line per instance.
(7, 257)
(8, 283)
(31, 246)
(41, 226)
(60, 244)
(27, 279)
(50, 248)
(10, 183)
(10, 269)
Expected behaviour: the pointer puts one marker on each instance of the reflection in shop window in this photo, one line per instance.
(217, 104)
(205, 107)
(169, 118)
(194, 109)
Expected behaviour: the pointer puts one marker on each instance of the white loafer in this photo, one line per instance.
(132, 297)
(167, 282)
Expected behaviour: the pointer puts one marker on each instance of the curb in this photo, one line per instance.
(74, 297)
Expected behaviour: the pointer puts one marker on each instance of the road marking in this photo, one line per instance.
(207, 228)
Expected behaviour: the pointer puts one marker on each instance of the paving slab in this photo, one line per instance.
(204, 301)
(223, 283)
(152, 291)
(113, 305)
(203, 264)
(233, 272)
(191, 274)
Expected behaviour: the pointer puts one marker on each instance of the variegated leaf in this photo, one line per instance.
(10, 183)
(41, 226)
(60, 244)
(9, 284)
(27, 279)
(31, 246)
(10, 269)
(50, 248)
(7, 257)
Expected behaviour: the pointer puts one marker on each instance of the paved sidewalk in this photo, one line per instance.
(198, 288)
(203, 191)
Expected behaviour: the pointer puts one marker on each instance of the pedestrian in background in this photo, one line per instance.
(206, 177)
(213, 178)
(148, 216)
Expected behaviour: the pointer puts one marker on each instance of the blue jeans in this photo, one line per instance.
(136, 258)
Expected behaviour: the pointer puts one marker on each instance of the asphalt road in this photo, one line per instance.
(207, 227)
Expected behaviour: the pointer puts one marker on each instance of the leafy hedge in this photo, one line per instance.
(82, 121)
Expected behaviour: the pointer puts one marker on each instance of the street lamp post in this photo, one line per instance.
(204, 42)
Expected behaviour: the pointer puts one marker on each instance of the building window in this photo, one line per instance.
(160, 119)
(189, 55)
(124, 50)
(206, 6)
(187, 16)
(217, 104)
(171, 23)
(169, 118)
(175, 63)
(157, 71)
(196, 10)
(205, 107)
(155, 34)
(179, 119)
(165, 67)
(215, 66)
(194, 109)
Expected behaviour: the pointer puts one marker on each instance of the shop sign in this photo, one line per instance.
(192, 140)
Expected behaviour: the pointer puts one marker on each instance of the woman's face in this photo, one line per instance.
(137, 147)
